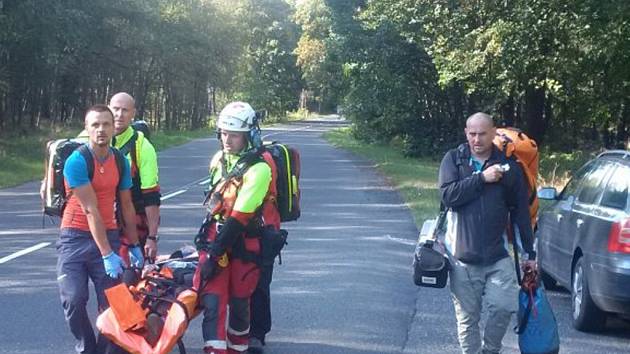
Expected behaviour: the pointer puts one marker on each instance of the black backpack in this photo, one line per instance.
(57, 152)
(142, 126)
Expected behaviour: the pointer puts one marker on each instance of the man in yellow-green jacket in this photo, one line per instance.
(144, 173)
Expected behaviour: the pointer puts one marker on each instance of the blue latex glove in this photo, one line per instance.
(113, 265)
(135, 256)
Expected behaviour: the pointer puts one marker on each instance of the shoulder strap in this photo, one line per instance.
(439, 224)
(512, 232)
(130, 144)
(134, 152)
(120, 163)
(459, 155)
(84, 150)
(130, 148)
(242, 165)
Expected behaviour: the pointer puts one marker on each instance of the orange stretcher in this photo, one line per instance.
(150, 317)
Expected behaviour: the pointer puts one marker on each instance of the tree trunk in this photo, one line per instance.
(622, 128)
(214, 100)
(507, 118)
(534, 112)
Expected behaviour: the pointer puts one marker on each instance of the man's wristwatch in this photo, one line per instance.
(155, 238)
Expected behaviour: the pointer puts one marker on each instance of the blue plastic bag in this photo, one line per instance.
(537, 327)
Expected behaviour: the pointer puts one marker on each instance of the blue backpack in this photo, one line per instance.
(537, 327)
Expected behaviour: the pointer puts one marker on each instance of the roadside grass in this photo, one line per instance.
(556, 167)
(22, 157)
(300, 114)
(164, 139)
(416, 178)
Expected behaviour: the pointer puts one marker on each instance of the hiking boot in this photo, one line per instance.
(255, 346)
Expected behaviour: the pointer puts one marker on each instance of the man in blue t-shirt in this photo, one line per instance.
(89, 233)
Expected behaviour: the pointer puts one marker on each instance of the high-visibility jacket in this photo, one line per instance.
(242, 196)
(144, 169)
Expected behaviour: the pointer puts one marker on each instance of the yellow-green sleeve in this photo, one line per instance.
(254, 189)
(148, 164)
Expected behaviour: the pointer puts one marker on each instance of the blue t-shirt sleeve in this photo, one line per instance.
(125, 183)
(75, 170)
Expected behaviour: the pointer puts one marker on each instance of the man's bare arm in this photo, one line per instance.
(153, 221)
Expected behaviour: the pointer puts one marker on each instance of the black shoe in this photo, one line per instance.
(255, 346)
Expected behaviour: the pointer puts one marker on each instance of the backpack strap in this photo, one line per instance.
(243, 164)
(84, 150)
(130, 145)
(240, 168)
(511, 232)
(120, 163)
(130, 148)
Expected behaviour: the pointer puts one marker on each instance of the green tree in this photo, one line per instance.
(318, 53)
(269, 77)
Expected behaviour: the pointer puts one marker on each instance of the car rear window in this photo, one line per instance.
(593, 183)
(572, 187)
(616, 192)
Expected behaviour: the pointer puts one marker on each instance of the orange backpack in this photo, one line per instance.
(513, 142)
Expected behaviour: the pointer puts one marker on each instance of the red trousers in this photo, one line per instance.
(232, 287)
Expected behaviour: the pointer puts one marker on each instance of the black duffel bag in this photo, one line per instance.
(430, 266)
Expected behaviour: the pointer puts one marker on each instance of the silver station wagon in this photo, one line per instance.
(583, 239)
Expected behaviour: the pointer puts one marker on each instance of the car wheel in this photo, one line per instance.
(586, 315)
(548, 282)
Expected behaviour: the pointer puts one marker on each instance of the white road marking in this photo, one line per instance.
(23, 252)
(401, 240)
(285, 130)
(205, 181)
(171, 195)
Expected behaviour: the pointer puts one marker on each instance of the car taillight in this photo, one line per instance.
(619, 237)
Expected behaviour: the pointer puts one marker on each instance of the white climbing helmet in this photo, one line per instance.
(237, 117)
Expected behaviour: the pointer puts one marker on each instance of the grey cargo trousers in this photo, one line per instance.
(472, 286)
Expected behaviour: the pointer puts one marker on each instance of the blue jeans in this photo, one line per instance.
(79, 259)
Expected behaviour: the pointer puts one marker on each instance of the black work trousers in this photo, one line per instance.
(260, 323)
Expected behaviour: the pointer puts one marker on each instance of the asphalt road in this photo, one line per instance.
(344, 286)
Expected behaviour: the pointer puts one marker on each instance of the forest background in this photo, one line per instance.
(406, 73)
